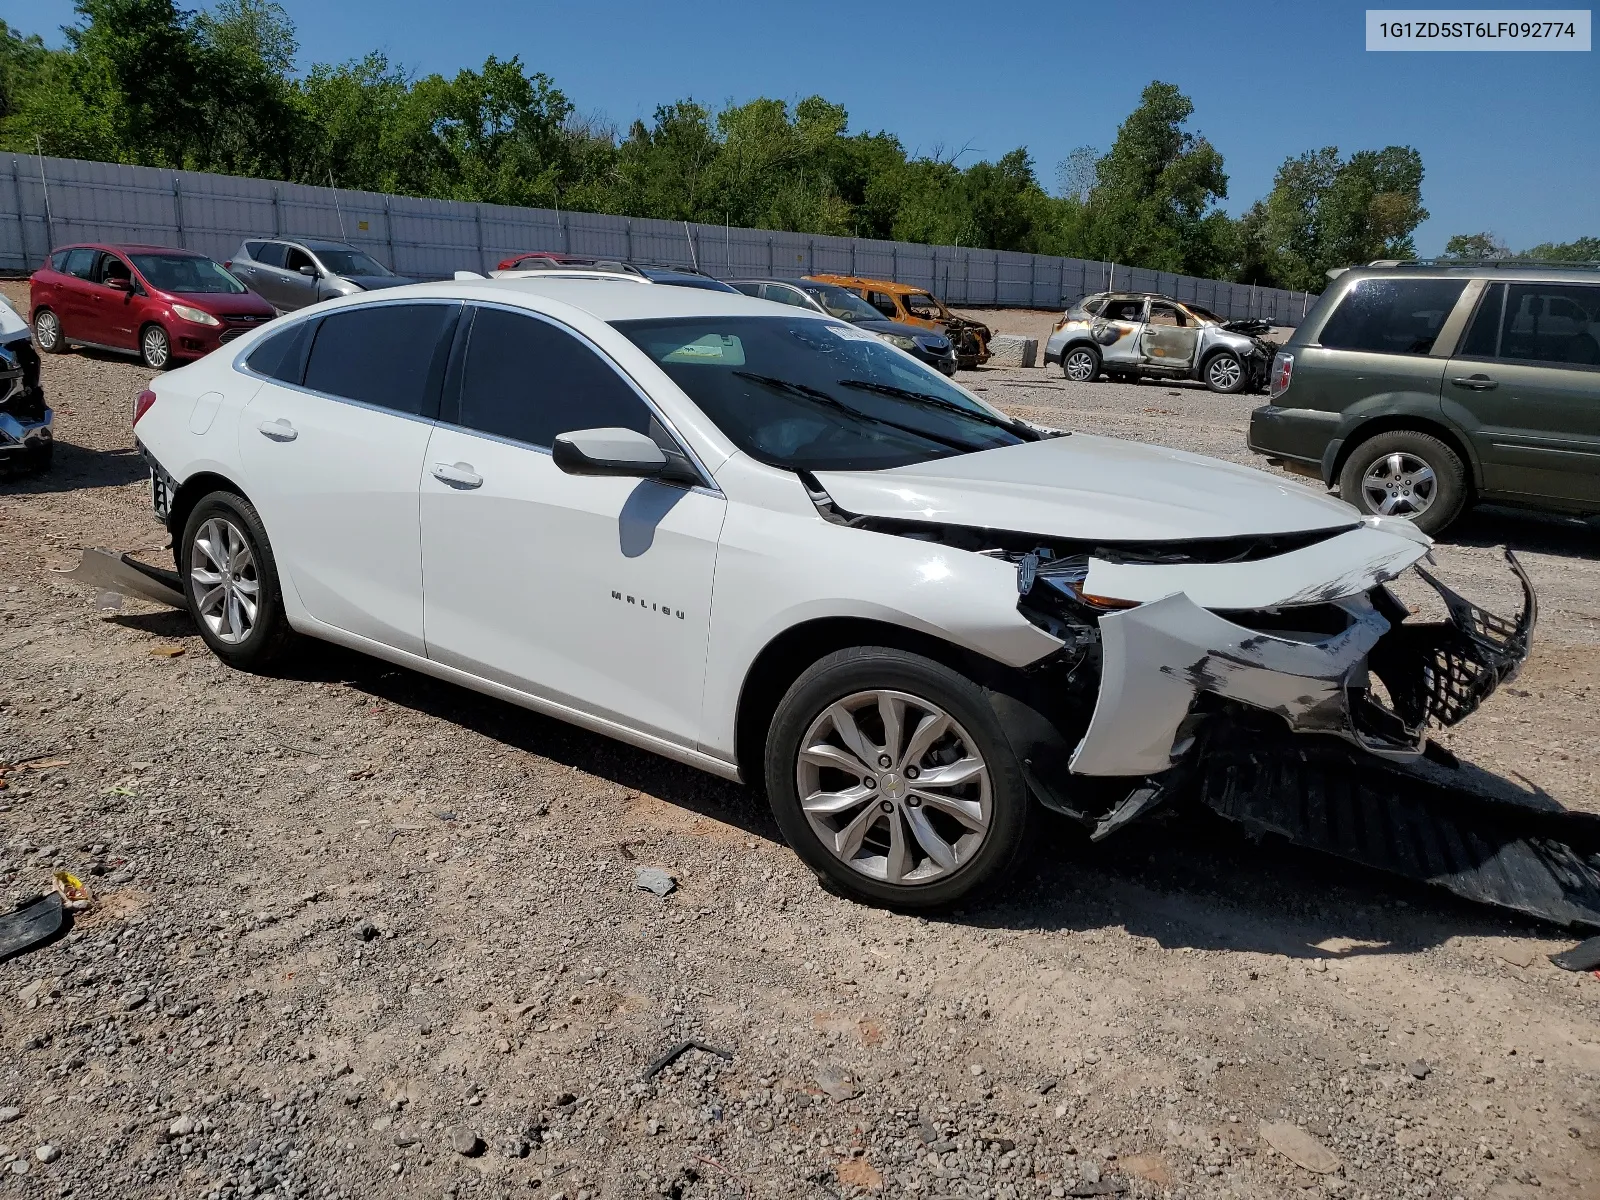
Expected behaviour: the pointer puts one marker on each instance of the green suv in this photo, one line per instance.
(1419, 388)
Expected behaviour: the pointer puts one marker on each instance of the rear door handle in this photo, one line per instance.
(1476, 383)
(279, 430)
(457, 475)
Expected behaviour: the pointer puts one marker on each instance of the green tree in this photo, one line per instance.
(1154, 199)
(1475, 246)
(1584, 249)
(23, 60)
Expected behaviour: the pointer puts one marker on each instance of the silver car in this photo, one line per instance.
(291, 274)
(1125, 335)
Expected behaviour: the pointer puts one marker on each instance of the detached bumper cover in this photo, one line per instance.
(25, 421)
(1159, 658)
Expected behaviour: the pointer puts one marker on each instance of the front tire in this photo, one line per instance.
(1406, 473)
(1225, 373)
(47, 333)
(1081, 364)
(231, 582)
(890, 776)
(155, 347)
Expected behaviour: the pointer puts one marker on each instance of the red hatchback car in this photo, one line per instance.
(158, 302)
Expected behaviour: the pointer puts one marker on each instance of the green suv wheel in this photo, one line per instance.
(1405, 473)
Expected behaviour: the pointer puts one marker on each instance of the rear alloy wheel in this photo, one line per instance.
(1225, 373)
(47, 332)
(1082, 364)
(1405, 473)
(231, 582)
(890, 776)
(155, 347)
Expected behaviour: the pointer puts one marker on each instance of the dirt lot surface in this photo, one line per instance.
(363, 934)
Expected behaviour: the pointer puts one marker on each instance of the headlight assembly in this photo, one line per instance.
(894, 339)
(197, 315)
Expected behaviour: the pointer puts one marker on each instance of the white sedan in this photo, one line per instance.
(761, 542)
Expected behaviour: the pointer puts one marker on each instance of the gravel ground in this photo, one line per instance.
(364, 934)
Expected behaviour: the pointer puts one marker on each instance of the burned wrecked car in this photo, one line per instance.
(911, 305)
(765, 543)
(25, 420)
(1126, 335)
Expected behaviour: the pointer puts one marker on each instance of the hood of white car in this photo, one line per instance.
(1093, 488)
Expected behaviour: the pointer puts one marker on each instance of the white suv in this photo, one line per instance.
(759, 541)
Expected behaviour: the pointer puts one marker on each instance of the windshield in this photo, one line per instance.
(185, 273)
(841, 302)
(807, 394)
(923, 305)
(351, 262)
(1204, 314)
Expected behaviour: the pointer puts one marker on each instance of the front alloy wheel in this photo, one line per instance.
(891, 776)
(894, 787)
(155, 348)
(1225, 373)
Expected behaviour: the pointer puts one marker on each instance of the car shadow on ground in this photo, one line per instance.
(1184, 878)
(76, 468)
(1538, 533)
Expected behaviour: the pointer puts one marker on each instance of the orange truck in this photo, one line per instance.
(918, 306)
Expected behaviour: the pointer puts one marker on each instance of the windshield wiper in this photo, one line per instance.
(977, 414)
(817, 396)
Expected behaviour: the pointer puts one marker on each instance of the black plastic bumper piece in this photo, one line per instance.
(1540, 860)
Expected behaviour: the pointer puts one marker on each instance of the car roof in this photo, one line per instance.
(309, 243)
(1541, 272)
(877, 285)
(616, 298)
(129, 248)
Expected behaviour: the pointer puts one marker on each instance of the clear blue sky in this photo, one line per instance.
(1510, 142)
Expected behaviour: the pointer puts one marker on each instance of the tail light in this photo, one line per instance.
(228, 266)
(142, 404)
(1282, 369)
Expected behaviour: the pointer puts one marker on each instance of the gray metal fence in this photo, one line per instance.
(52, 201)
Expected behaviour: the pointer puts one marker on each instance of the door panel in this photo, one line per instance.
(1526, 388)
(297, 290)
(336, 485)
(72, 300)
(592, 592)
(116, 313)
(1168, 340)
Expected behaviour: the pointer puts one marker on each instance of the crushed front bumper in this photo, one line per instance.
(25, 420)
(1160, 658)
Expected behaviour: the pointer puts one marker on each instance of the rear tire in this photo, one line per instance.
(881, 828)
(1081, 364)
(47, 333)
(1413, 474)
(230, 579)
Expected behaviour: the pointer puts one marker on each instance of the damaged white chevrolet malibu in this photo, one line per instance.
(761, 542)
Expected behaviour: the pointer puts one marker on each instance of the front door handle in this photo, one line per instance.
(457, 475)
(1476, 383)
(279, 430)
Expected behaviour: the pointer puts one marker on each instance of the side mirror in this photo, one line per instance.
(309, 271)
(119, 283)
(619, 452)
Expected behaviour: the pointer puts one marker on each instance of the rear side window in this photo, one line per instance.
(528, 380)
(388, 355)
(253, 249)
(785, 295)
(1093, 307)
(270, 253)
(1555, 323)
(282, 356)
(1392, 316)
(883, 302)
(80, 263)
(58, 260)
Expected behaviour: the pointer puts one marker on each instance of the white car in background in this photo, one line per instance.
(767, 544)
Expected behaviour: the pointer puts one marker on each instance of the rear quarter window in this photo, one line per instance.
(1391, 316)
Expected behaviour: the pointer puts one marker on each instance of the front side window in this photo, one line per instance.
(841, 302)
(920, 304)
(351, 262)
(529, 380)
(112, 267)
(1392, 316)
(1555, 323)
(810, 394)
(186, 273)
(387, 355)
(883, 302)
(294, 258)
